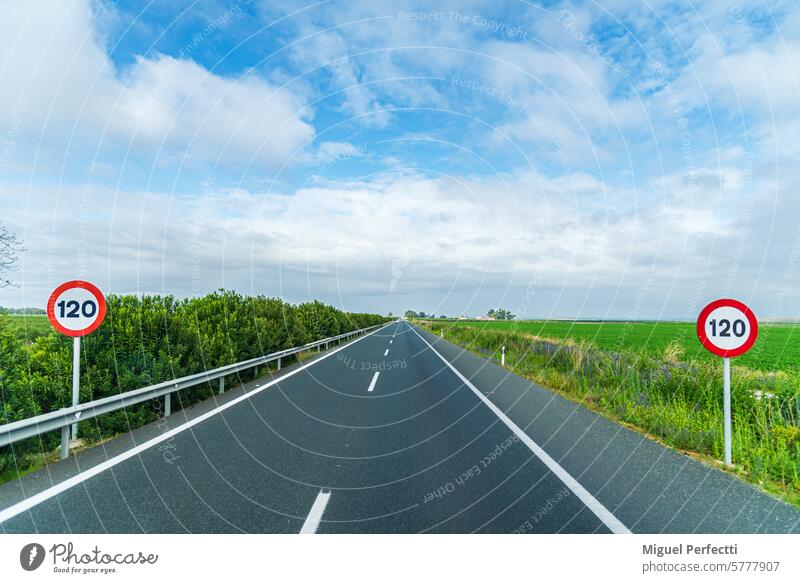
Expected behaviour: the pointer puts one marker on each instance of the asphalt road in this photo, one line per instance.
(398, 431)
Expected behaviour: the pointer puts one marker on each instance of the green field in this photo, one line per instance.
(28, 327)
(777, 348)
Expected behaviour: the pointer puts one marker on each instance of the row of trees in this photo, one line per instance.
(149, 339)
(412, 314)
(500, 314)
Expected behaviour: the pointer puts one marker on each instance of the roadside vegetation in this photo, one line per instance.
(777, 348)
(650, 377)
(144, 340)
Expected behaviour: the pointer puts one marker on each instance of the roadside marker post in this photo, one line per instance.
(503, 357)
(75, 308)
(727, 328)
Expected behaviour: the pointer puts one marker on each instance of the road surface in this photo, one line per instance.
(398, 431)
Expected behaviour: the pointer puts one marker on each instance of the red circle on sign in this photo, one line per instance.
(92, 289)
(709, 345)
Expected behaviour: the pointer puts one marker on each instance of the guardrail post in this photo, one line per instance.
(318, 347)
(167, 404)
(221, 385)
(279, 364)
(65, 442)
(255, 373)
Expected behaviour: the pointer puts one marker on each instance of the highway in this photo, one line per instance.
(396, 432)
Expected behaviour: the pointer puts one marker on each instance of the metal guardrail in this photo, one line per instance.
(64, 418)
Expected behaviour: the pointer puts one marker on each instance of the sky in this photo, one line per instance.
(622, 159)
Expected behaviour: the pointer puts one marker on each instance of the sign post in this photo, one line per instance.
(727, 328)
(76, 308)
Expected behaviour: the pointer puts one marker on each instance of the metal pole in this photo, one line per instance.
(76, 379)
(726, 374)
(503, 357)
(279, 364)
(167, 404)
(221, 385)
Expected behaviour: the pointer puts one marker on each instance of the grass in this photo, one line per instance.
(661, 387)
(28, 327)
(777, 348)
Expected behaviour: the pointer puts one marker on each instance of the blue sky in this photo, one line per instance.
(559, 159)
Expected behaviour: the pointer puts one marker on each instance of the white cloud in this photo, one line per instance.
(53, 57)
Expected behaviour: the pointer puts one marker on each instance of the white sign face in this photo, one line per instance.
(727, 328)
(76, 308)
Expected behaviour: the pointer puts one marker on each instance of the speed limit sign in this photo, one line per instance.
(76, 308)
(727, 328)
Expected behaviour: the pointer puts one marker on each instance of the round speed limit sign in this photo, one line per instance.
(76, 308)
(727, 328)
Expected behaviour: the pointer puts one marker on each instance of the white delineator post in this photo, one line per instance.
(503, 357)
(76, 379)
(726, 381)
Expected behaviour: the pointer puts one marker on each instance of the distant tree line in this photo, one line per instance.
(498, 314)
(29, 311)
(501, 314)
(412, 314)
(146, 340)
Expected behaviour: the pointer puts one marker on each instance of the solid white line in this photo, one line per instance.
(604, 514)
(314, 517)
(57, 489)
(386, 353)
(374, 380)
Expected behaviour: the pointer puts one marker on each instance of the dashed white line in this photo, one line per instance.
(390, 341)
(373, 381)
(386, 353)
(314, 517)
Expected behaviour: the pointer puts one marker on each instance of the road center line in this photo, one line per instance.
(57, 489)
(604, 514)
(374, 380)
(386, 353)
(314, 517)
(390, 341)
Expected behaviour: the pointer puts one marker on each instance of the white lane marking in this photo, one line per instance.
(57, 489)
(374, 380)
(613, 523)
(386, 353)
(314, 517)
(390, 341)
